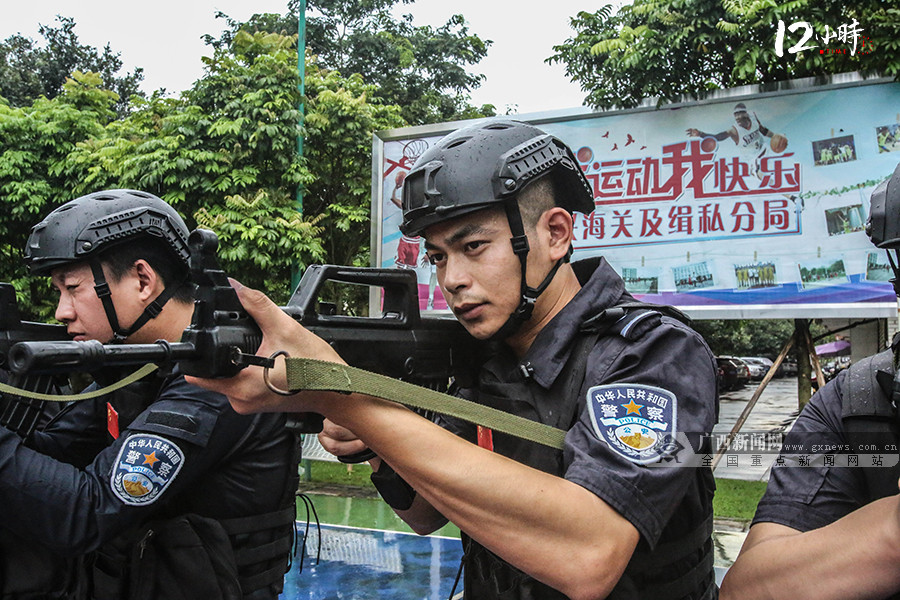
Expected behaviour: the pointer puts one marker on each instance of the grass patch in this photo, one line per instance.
(737, 499)
(339, 474)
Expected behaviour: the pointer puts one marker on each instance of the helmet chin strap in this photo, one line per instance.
(101, 287)
(895, 267)
(528, 295)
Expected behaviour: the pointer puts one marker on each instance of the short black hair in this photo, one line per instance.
(537, 198)
(120, 258)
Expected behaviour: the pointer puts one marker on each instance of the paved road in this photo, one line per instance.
(775, 409)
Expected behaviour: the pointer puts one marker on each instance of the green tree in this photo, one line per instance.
(673, 48)
(29, 70)
(751, 337)
(224, 154)
(35, 144)
(343, 113)
(423, 69)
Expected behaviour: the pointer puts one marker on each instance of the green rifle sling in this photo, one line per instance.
(308, 374)
(139, 374)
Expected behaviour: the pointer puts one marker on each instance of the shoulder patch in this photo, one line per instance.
(145, 467)
(637, 421)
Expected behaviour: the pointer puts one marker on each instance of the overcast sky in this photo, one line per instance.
(164, 37)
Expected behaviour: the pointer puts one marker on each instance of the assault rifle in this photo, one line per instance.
(222, 339)
(19, 414)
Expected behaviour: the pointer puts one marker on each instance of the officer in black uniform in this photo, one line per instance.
(622, 511)
(161, 490)
(828, 525)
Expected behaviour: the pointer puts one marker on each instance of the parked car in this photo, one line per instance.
(727, 374)
(779, 372)
(789, 368)
(743, 371)
(758, 368)
(765, 363)
(830, 370)
(734, 373)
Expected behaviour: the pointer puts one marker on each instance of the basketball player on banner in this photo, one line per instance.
(750, 139)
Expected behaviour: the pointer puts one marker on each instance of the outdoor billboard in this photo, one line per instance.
(697, 208)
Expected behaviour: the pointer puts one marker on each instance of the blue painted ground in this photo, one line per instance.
(360, 564)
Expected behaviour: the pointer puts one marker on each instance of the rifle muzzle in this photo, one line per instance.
(62, 357)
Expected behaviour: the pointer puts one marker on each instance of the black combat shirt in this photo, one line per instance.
(231, 465)
(662, 502)
(810, 497)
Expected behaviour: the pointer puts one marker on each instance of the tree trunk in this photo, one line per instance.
(804, 369)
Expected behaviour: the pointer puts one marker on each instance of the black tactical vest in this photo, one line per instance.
(183, 555)
(189, 557)
(869, 417)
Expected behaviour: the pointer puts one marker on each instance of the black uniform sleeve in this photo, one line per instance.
(168, 449)
(672, 359)
(75, 435)
(458, 427)
(809, 497)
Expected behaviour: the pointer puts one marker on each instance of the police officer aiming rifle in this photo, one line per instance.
(160, 490)
(564, 345)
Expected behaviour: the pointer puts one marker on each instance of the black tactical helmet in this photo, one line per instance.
(485, 164)
(883, 225)
(80, 229)
(83, 228)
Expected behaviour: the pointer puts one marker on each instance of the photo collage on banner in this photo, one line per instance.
(749, 205)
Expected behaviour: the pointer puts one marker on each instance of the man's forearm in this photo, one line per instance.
(422, 517)
(524, 515)
(855, 557)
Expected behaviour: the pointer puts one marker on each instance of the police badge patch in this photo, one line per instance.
(637, 421)
(146, 465)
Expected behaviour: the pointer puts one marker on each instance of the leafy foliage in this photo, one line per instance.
(35, 143)
(224, 154)
(421, 69)
(29, 71)
(757, 337)
(670, 48)
(342, 117)
(259, 237)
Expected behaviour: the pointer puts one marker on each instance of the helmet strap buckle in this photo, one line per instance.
(526, 307)
(102, 289)
(520, 244)
(153, 309)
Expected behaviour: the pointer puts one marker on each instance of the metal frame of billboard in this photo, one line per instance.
(882, 306)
